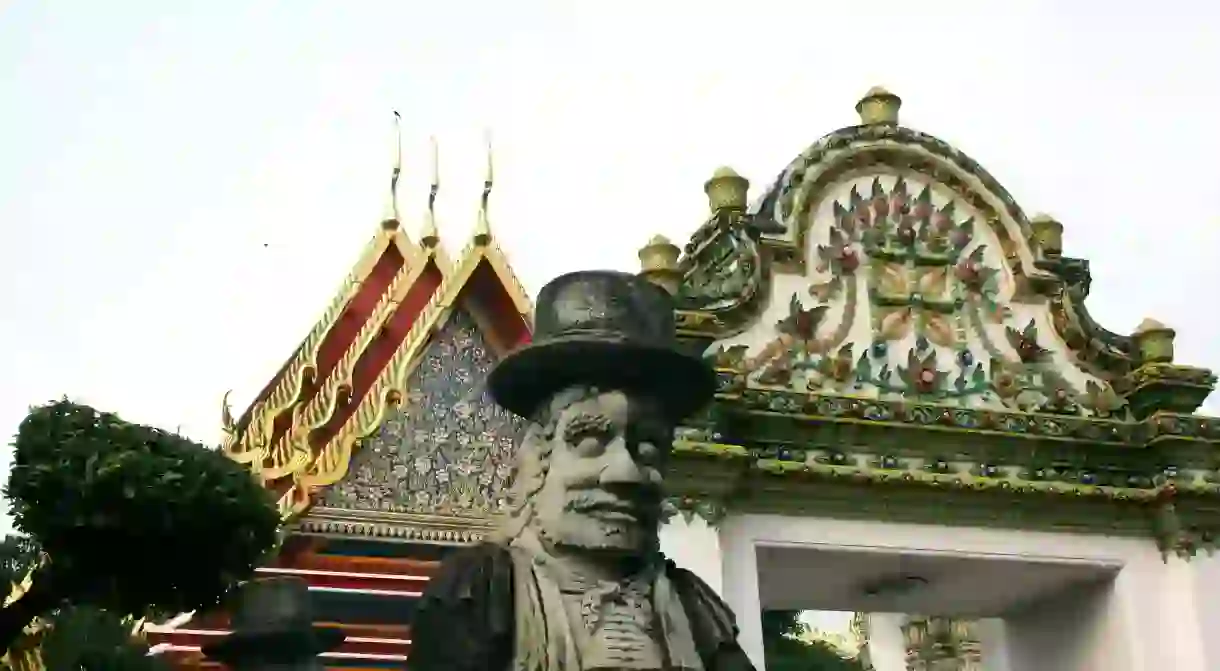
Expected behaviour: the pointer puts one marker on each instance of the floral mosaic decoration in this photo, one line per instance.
(929, 278)
(448, 449)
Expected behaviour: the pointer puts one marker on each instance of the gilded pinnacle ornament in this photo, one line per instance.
(878, 106)
(1048, 235)
(482, 231)
(1155, 341)
(659, 264)
(431, 237)
(726, 190)
(390, 220)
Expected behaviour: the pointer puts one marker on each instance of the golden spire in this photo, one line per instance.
(1048, 235)
(878, 106)
(1154, 341)
(482, 231)
(389, 220)
(726, 190)
(659, 264)
(431, 236)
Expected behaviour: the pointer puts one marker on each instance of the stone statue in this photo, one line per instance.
(574, 580)
(273, 629)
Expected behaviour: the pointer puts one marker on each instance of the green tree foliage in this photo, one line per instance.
(78, 638)
(786, 652)
(131, 518)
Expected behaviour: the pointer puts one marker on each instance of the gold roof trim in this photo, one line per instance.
(390, 387)
(292, 451)
(332, 461)
(250, 444)
(483, 247)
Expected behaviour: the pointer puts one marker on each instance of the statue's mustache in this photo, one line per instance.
(634, 499)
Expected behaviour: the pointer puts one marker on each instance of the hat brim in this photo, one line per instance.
(528, 377)
(312, 641)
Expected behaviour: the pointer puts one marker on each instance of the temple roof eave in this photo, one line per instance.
(333, 460)
(275, 459)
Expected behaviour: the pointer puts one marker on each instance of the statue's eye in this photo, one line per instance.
(589, 442)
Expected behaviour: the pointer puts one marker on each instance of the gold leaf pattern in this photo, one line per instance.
(893, 280)
(939, 330)
(896, 325)
(933, 283)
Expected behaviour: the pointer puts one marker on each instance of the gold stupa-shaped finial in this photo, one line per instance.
(482, 231)
(1154, 341)
(389, 219)
(1048, 235)
(726, 190)
(431, 237)
(659, 264)
(879, 106)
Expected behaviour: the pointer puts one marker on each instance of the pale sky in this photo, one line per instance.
(184, 184)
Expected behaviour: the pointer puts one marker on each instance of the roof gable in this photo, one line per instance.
(911, 290)
(334, 365)
(482, 284)
(885, 264)
(447, 448)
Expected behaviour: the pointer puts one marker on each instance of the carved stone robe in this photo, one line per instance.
(467, 617)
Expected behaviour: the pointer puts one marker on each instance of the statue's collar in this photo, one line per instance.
(574, 575)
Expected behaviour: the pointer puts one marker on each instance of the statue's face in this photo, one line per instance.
(603, 487)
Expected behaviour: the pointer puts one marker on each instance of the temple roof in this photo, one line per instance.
(335, 389)
(481, 285)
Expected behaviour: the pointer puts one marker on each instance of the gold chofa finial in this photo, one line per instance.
(482, 231)
(389, 220)
(431, 237)
(726, 190)
(878, 106)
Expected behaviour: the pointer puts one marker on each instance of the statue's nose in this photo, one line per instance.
(620, 467)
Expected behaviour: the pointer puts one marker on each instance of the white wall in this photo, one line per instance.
(886, 644)
(1207, 604)
(1148, 619)
(696, 547)
(993, 640)
(1066, 633)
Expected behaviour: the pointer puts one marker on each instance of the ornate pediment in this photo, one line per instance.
(885, 264)
(886, 313)
(908, 290)
(447, 449)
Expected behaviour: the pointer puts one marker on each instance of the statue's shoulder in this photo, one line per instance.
(464, 619)
(702, 602)
(712, 622)
(474, 567)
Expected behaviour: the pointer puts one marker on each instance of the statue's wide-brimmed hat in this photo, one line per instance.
(273, 620)
(604, 329)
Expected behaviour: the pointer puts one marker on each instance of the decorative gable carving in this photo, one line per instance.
(447, 450)
(908, 291)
